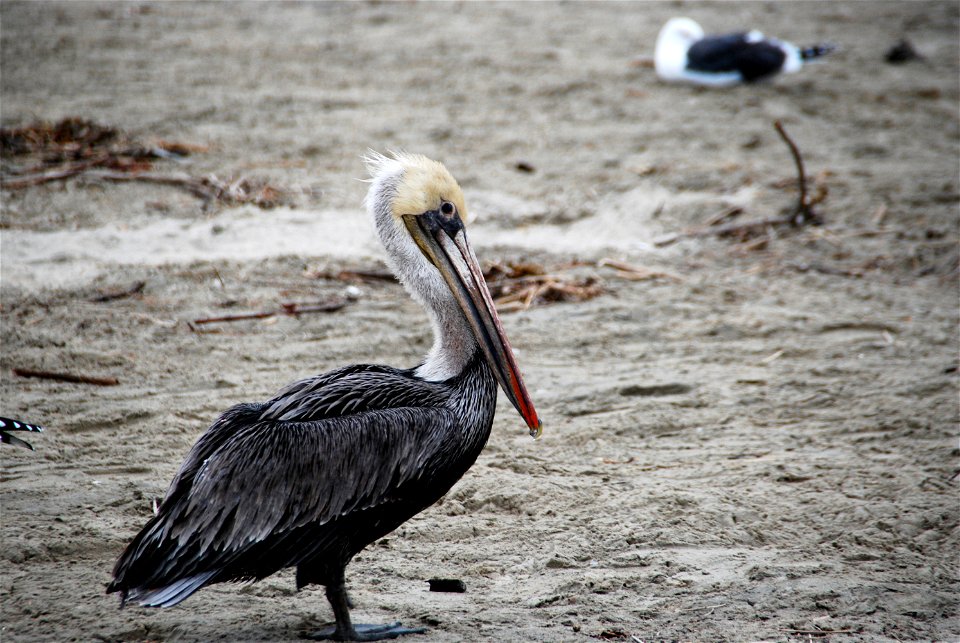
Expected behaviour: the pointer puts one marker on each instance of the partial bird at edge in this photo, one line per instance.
(7, 425)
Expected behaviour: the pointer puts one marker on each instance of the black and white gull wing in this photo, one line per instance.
(747, 54)
(684, 53)
(8, 426)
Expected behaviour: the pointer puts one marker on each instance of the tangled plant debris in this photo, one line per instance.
(513, 285)
(518, 286)
(75, 146)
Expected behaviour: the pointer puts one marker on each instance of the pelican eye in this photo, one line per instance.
(448, 209)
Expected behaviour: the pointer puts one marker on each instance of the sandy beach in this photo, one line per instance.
(749, 436)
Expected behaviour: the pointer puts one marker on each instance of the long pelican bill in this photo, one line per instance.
(443, 239)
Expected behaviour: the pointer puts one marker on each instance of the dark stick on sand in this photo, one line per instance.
(285, 309)
(802, 214)
(66, 377)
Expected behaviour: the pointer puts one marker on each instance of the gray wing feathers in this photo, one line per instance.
(269, 478)
(274, 478)
(323, 447)
(171, 594)
(350, 391)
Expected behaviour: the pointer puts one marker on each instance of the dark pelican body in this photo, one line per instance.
(7, 426)
(363, 449)
(684, 53)
(337, 461)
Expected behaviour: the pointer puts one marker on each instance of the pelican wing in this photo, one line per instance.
(352, 389)
(263, 471)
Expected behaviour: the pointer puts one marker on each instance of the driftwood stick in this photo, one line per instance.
(195, 186)
(798, 160)
(536, 279)
(323, 307)
(721, 230)
(66, 377)
(634, 273)
(135, 289)
(45, 177)
(238, 317)
(621, 265)
(803, 211)
(359, 275)
(285, 309)
(723, 215)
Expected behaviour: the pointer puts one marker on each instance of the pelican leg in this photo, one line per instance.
(345, 630)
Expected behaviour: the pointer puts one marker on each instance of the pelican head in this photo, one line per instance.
(418, 211)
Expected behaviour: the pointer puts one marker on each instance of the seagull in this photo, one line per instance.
(336, 461)
(685, 54)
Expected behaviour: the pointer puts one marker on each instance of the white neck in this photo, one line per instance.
(454, 343)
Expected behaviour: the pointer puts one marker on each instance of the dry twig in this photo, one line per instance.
(732, 229)
(826, 270)
(45, 177)
(66, 377)
(725, 214)
(356, 275)
(293, 309)
(801, 214)
(209, 188)
(803, 211)
(635, 273)
(879, 215)
(135, 289)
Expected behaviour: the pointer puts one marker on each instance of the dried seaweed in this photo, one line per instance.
(78, 147)
(69, 135)
(514, 285)
(518, 286)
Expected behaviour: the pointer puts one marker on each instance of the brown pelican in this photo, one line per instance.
(336, 461)
(7, 425)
